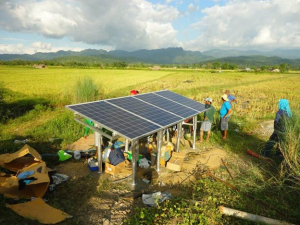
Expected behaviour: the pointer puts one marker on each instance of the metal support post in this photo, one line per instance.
(126, 145)
(98, 144)
(179, 128)
(194, 131)
(168, 134)
(135, 156)
(159, 145)
(99, 148)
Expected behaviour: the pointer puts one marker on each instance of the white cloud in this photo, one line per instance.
(13, 49)
(21, 49)
(128, 25)
(39, 45)
(192, 8)
(140, 24)
(264, 37)
(249, 24)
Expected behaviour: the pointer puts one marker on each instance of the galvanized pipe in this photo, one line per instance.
(159, 145)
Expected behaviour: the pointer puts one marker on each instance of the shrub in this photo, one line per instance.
(290, 148)
(84, 90)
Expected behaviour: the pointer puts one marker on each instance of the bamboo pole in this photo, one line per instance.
(250, 216)
(226, 168)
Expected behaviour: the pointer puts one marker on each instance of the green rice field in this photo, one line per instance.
(33, 108)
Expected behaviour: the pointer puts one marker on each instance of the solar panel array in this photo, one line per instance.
(138, 116)
(147, 111)
(166, 104)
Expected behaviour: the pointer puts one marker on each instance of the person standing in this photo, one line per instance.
(230, 97)
(283, 114)
(208, 119)
(225, 112)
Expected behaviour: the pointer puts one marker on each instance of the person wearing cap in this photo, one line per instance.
(134, 92)
(283, 114)
(208, 118)
(230, 97)
(225, 112)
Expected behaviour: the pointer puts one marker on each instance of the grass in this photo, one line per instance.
(290, 148)
(52, 83)
(34, 102)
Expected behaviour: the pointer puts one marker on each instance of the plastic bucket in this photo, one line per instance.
(77, 155)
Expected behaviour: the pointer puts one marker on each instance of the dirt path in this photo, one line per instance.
(106, 202)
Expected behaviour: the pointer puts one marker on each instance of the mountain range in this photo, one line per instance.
(174, 55)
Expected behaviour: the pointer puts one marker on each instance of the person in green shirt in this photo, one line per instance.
(208, 118)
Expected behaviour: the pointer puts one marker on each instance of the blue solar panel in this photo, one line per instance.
(114, 118)
(182, 100)
(167, 105)
(146, 111)
(137, 116)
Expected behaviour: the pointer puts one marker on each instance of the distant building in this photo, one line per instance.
(156, 68)
(39, 66)
(276, 70)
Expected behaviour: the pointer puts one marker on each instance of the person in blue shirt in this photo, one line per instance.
(283, 114)
(230, 97)
(225, 112)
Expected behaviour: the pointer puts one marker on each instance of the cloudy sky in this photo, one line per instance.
(29, 26)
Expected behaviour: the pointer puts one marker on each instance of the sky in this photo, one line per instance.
(30, 26)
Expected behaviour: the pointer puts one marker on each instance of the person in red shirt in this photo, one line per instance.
(134, 92)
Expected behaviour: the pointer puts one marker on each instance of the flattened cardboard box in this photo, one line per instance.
(176, 161)
(111, 169)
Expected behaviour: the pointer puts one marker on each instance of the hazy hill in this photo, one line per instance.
(164, 56)
(159, 56)
(257, 61)
(289, 54)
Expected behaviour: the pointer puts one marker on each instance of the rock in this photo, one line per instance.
(105, 221)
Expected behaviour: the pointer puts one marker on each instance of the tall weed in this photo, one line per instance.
(84, 90)
(290, 148)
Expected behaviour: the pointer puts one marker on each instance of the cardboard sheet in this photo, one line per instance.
(20, 159)
(28, 163)
(10, 185)
(40, 211)
(83, 143)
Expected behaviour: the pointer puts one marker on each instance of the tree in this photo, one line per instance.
(216, 65)
(225, 66)
(264, 68)
(232, 66)
(283, 68)
(119, 64)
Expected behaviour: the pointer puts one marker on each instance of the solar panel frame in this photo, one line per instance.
(168, 105)
(148, 123)
(145, 110)
(111, 117)
(181, 100)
